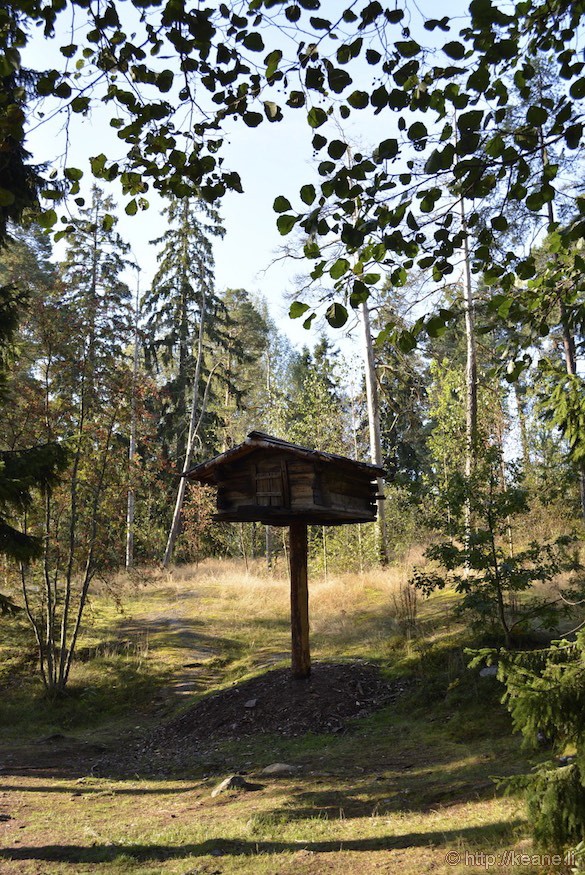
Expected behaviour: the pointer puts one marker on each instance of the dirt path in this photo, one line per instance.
(183, 645)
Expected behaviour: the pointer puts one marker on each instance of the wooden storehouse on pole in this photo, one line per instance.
(277, 483)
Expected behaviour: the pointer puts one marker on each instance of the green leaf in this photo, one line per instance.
(387, 149)
(435, 326)
(308, 194)
(316, 117)
(338, 79)
(339, 268)
(253, 41)
(336, 315)
(536, 116)
(577, 89)
(131, 207)
(272, 60)
(337, 149)
(73, 174)
(373, 57)
(417, 131)
(479, 80)
(47, 219)
(285, 224)
(296, 99)
(281, 204)
(573, 135)
(406, 341)
(470, 121)
(358, 99)
(297, 309)
(455, 50)
(407, 48)
(80, 104)
(535, 201)
(98, 163)
(164, 80)
(311, 249)
(499, 223)
(252, 119)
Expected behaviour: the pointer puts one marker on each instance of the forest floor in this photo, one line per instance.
(391, 748)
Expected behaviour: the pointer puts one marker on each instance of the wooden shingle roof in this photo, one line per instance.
(206, 472)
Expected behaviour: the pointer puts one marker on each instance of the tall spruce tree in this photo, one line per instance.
(94, 288)
(179, 309)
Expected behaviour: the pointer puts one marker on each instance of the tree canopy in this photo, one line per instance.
(173, 77)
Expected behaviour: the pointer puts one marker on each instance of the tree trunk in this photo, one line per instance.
(193, 424)
(522, 425)
(132, 447)
(470, 371)
(374, 425)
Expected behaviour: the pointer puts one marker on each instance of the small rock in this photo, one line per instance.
(278, 769)
(234, 782)
(490, 671)
(251, 703)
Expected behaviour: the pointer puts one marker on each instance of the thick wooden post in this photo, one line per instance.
(299, 601)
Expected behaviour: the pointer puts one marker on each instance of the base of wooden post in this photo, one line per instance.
(299, 600)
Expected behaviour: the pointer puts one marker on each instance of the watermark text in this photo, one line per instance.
(483, 860)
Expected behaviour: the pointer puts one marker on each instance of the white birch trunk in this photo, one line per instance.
(132, 448)
(373, 405)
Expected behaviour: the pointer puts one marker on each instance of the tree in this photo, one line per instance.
(179, 307)
(242, 344)
(92, 273)
(220, 50)
(182, 292)
(28, 462)
(22, 470)
(70, 387)
(478, 561)
(544, 692)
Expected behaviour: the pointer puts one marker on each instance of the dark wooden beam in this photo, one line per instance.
(299, 600)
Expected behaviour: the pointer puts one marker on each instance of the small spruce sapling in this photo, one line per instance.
(483, 567)
(545, 694)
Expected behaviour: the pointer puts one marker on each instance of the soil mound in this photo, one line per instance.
(280, 704)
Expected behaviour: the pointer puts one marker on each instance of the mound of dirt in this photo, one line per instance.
(278, 703)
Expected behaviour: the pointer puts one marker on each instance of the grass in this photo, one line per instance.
(401, 790)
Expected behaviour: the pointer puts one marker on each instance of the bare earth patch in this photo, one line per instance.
(278, 703)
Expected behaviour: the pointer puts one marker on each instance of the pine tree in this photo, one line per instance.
(181, 299)
(180, 308)
(545, 694)
(94, 289)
